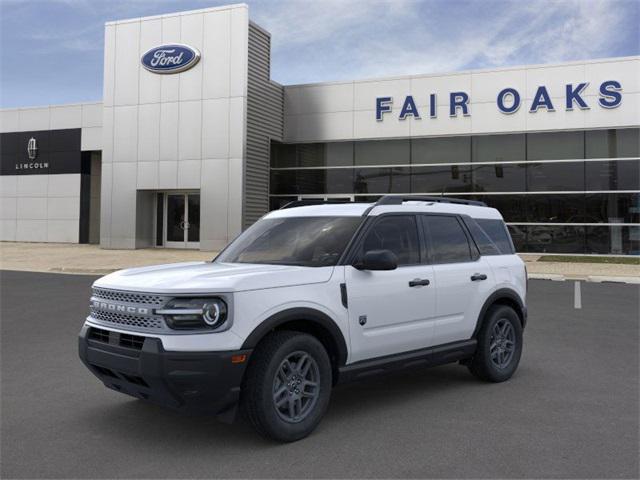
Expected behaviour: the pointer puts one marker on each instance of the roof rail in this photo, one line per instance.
(400, 199)
(313, 201)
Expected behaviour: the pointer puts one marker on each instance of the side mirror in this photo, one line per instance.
(377, 260)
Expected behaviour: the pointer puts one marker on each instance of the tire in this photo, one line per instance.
(279, 400)
(492, 361)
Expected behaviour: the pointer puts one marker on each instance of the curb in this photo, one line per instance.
(588, 278)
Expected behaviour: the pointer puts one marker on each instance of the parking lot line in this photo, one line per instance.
(577, 295)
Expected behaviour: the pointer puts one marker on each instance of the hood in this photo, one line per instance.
(207, 277)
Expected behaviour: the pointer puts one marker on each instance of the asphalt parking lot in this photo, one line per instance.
(571, 411)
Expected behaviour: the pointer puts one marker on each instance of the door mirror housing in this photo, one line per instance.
(377, 260)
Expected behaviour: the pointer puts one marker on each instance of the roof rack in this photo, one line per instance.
(313, 201)
(400, 199)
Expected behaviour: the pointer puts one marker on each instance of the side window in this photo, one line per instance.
(498, 233)
(447, 239)
(484, 243)
(397, 233)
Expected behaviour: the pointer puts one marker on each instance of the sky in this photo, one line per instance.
(51, 51)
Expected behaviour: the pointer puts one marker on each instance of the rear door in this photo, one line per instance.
(391, 311)
(463, 279)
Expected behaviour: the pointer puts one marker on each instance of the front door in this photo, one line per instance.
(391, 311)
(182, 220)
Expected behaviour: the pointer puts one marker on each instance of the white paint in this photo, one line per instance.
(577, 295)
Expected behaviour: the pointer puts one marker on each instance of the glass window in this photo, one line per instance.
(283, 182)
(339, 154)
(555, 145)
(382, 180)
(613, 240)
(447, 241)
(555, 208)
(497, 232)
(382, 152)
(304, 241)
(513, 208)
(499, 148)
(441, 150)
(613, 175)
(563, 176)
(612, 143)
(312, 182)
(310, 155)
(499, 178)
(441, 179)
(276, 203)
(612, 208)
(283, 155)
(482, 240)
(553, 238)
(397, 233)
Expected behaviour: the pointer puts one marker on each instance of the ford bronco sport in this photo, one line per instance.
(310, 296)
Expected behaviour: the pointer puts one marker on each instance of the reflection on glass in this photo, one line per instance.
(499, 148)
(382, 180)
(613, 240)
(499, 178)
(612, 143)
(440, 179)
(565, 176)
(555, 145)
(614, 175)
(441, 150)
(175, 218)
(194, 218)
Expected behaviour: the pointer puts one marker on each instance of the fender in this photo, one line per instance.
(512, 297)
(315, 317)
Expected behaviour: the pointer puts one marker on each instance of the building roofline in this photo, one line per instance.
(179, 14)
(467, 72)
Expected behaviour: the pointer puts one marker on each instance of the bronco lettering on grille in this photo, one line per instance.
(119, 308)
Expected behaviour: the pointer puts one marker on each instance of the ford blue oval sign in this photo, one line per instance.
(172, 58)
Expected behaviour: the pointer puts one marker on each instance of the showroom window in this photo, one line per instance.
(555, 145)
(440, 150)
(612, 143)
(499, 148)
(382, 152)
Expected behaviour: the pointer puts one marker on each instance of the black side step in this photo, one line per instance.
(427, 357)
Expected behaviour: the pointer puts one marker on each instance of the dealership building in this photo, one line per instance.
(193, 142)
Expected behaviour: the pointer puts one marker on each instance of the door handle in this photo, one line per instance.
(478, 276)
(419, 282)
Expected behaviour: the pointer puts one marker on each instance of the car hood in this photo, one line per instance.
(207, 277)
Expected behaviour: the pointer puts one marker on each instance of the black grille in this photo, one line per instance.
(126, 319)
(99, 335)
(131, 341)
(104, 371)
(127, 297)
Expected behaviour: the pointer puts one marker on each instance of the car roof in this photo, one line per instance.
(371, 209)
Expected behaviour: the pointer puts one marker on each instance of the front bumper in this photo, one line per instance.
(208, 382)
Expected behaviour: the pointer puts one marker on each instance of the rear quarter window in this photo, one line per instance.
(497, 231)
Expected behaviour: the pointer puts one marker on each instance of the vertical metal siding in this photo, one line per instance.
(265, 121)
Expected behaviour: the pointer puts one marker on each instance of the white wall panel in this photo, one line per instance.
(149, 132)
(216, 59)
(626, 72)
(554, 78)
(168, 174)
(63, 208)
(170, 84)
(192, 35)
(365, 93)
(8, 208)
(32, 208)
(63, 185)
(147, 176)
(32, 185)
(9, 120)
(150, 36)
(214, 203)
(91, 138)
(125, 134)
(237, 127)
(485, 86)
(31, 230)
(169, 131)
(8, 185)
(190, 130)
(109, 68)
(63, 231)
(91, 115)
(239, 52)
(189, 174)
(34, 119)
(65, 116)
(127, 63)
(422, 86)
(8, 230)
(319, 99)
(215, 128)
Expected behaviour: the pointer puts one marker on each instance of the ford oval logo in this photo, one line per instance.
(172, 58)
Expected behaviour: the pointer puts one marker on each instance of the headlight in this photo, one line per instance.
(195, 313)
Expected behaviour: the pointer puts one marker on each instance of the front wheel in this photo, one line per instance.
(499, 345)
(288, 386)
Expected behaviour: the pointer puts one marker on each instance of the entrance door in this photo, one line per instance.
(182, 220)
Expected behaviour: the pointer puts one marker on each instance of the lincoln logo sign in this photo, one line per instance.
(172, 58)
(508, 101)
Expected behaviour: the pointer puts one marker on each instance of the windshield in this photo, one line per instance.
(304, 241)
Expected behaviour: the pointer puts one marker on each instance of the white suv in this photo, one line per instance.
(310, 296)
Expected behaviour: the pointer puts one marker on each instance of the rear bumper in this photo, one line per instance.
(207, 382)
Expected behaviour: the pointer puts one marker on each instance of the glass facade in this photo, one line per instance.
(560, 192)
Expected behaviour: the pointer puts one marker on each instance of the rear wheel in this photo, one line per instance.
(288, 386)
(499, 345)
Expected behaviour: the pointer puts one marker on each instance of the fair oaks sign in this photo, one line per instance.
(508, 101)
(173, 58)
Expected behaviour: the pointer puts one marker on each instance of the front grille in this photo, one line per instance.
(131, 341)
(129, 297)
(99, 335)
(138, 321)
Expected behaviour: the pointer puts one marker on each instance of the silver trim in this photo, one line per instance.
(449, 194)
(448, 164)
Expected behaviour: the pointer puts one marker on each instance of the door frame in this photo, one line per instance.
(185, 244)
